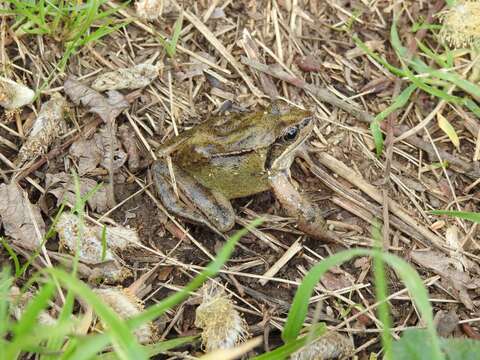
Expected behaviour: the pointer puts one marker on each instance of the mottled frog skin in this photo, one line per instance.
(227, 157)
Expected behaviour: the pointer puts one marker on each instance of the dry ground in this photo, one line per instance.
(304, 40)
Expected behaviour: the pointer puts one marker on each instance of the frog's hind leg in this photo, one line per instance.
(216, 210)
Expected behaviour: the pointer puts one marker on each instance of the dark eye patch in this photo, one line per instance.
(291, 133)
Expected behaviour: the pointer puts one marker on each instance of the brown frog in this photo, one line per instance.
(234, 156)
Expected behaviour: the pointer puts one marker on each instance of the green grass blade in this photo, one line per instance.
(299, 308)
(394, 70)
(412, 280)
(381, 291)
(432, 55)
(399, 102)
(172, 44)
(377, 137)
(38, 303)
(6, 281)
(122, 338)
(85, 348)
(212, 269)
(158, 348)
(466, 215)
(285, 350)
(12, 254)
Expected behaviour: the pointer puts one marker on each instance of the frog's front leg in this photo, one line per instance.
(310, 220)
(213, 209)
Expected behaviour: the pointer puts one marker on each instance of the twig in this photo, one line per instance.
(472, 170)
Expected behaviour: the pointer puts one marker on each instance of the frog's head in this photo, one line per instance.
(293, 128)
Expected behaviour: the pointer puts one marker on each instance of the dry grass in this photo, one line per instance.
(251, 52)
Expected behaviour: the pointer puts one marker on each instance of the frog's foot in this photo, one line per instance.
(213, 209)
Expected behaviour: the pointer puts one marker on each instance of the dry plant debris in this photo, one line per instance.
(127, 305)
(135, 77)
(151, 9)
(461, 24)
(108, 108)
(20, 301)
(62, 187)
(331, 345)
(47, 127)
(21, 220)
(238, 56)
(14, 95)
(222, 325)
(86, 241)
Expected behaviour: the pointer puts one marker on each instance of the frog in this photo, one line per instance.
(233, 156)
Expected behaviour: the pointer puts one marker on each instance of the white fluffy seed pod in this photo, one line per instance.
(20, 301)
(14, 95)
(48, 126)
(127, 305)
(331, 345)
(89, 245)
(119, 237)
(135, 77)
(461, 24)
(221, 324)
(150, 9)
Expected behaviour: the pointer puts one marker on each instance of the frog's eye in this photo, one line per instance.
(290, 133)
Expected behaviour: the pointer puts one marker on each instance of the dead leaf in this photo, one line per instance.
(96, 151)
(309, 63)
(20, 217)
(102, 141)
(135, 77)
(48, 126)
(130, 144)
(119, 237)
(446, 322)
(335, 280)
(108, 108)
(86, 154)
(445, 266)
(62, 187)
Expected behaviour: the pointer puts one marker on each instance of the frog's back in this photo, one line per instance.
(234, 176)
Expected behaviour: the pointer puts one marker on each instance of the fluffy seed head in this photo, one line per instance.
(221, 324)
(331, 345)
(461, 24)
(127, 305)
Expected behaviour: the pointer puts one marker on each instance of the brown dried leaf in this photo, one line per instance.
(446, 268)
(90, 246)
(102, 141)
(48, 126)
(130, 145)
(87, 155)
(108, 108)
(20, 217)
(335, 280)
(446, 322)
(309, 63)
(135, 77)
(62, 187)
